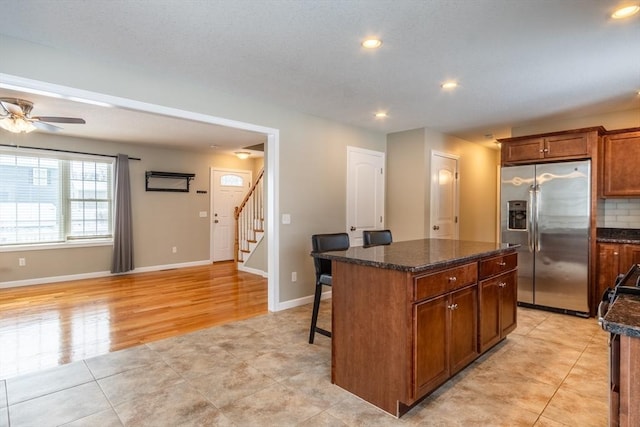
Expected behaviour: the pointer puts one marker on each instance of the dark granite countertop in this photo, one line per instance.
(618, 235)
(623, 316)
(418, 255)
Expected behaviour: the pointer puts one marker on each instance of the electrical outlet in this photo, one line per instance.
(174, 249)
(294, 276)
(22, 262)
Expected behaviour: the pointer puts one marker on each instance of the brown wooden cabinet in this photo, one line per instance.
(549, 147)
(621, 150)
(445, 337)
(498, 299)
(614, 259)
(624, 372)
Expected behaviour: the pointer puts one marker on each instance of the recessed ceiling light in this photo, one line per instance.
(449, 85)
(372, 43)
(381, 115)
(625, 12)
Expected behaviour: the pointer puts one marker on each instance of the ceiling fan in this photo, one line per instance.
(15, 116)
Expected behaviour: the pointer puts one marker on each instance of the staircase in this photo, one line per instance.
(249, 218)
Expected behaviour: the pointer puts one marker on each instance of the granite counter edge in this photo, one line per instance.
(617, 321)
(414, 269)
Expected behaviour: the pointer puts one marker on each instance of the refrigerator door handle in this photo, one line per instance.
(537, 217)
(531, 224)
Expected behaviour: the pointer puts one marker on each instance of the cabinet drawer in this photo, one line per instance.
(497, 265)
(445, 281)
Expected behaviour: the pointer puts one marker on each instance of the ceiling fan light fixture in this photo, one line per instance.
(17, 125)
(242, 155)
(626, 11)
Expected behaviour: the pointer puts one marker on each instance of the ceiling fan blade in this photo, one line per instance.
(45, 126)
(12, 108)
(72, 120)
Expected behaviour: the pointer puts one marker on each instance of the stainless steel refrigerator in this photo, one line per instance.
(546, 208)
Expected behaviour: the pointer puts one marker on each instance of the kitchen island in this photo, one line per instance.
(408, 316)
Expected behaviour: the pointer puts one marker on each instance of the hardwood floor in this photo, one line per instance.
(48, 325)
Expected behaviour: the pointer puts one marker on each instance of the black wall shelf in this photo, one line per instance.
(168, 181)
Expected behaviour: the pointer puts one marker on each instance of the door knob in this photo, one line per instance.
(436, 227)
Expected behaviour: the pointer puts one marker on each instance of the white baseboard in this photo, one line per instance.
(96, 274)
(300, 301)
(252, 270)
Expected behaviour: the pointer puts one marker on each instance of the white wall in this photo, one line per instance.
(610, 121)
(409, 192)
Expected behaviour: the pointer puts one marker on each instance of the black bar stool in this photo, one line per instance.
(376, 238)
(324, 243)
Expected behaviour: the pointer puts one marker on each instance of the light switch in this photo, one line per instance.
(286, 219)
(203, 214)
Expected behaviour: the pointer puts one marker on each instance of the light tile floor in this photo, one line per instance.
(552, 371)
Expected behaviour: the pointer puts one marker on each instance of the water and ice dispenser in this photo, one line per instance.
(517, 215)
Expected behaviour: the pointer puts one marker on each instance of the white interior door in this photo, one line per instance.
(228, 190)
(365, 192)
(444, 196)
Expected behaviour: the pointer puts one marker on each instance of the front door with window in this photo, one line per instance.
(228, 190)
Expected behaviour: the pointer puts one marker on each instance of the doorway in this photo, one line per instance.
(444, 196)
(365, 192)
(271, 163)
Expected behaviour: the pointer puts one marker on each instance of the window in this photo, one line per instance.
(49, 199)
(231, 180)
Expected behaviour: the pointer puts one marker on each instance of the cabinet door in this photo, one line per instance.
(566, 146)
(522, 151)
(630, 255)
(498, 305)
(621, 177)
(431, 344)
(608, 267)
(490, 327)
(508, 302)
(464, 327)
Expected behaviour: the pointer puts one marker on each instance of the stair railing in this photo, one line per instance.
(249, 218)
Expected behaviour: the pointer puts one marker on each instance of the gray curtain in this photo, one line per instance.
(122, 233)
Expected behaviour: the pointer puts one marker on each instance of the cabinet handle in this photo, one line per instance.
(452, 306)
(502, 263)
(616, 253)
(453, 278)
(502, 284)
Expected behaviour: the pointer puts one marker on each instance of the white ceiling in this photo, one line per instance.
(517, 61)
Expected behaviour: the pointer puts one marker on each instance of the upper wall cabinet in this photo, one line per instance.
(621, 157)
(567, 145)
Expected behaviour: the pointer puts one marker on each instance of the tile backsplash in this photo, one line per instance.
(619, 213)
